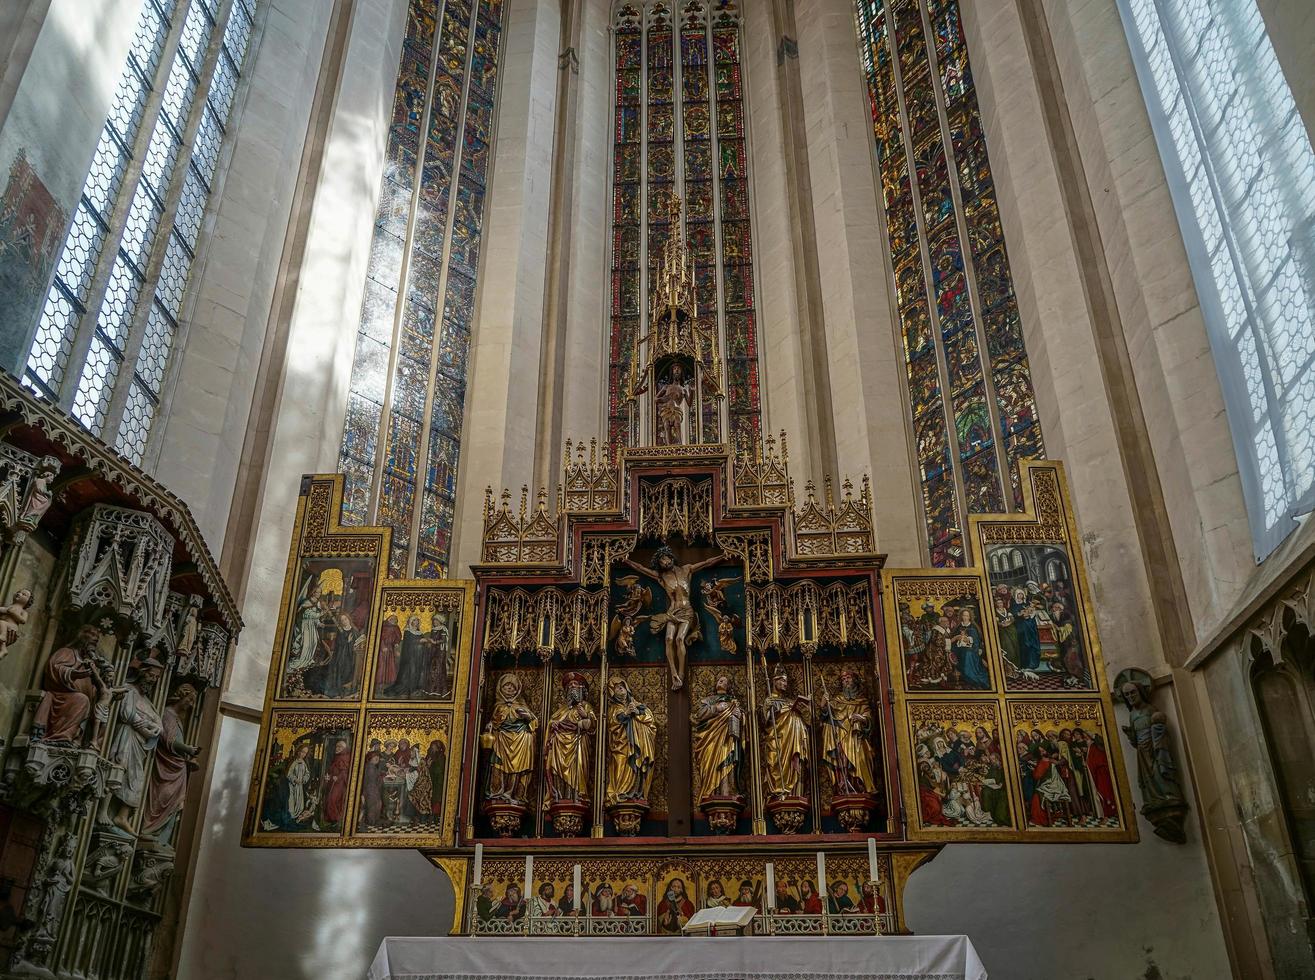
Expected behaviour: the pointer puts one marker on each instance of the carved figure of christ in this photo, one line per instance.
(679, 620)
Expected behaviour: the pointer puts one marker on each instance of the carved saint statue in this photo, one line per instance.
(74, 691)
(40, 494)
(1163, 803)
(785, 719)
(135, 734)
(679, 622)
(569, 745)
(673, 404)
(512, 727)
(631, 745)
(167, 790)
(188, 633)
(717, 738)
(847, 722)
(12, 617)
(57, 883)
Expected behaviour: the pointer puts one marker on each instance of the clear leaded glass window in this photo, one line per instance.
(110, 320)
(402, 438)
(679, 128)
(969, 387)
(1242, 173)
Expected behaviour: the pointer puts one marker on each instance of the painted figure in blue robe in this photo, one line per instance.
(1029, 640)
(969, 655)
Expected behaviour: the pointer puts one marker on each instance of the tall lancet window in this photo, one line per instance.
(679, 128)
(1242, 174)
(402, 437)
(103, 343)
(969, 389)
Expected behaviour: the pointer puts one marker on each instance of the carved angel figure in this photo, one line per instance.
(12, 617)
(621, 631)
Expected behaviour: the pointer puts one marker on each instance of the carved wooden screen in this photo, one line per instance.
(1005, 723)
(361, 739)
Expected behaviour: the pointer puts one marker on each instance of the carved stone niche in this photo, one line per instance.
(25, 493)
(52, 779)
(120, 561)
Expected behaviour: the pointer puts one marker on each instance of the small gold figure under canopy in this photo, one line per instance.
(717, 740)
(631, 753)
(786, 719)
(847, 724)
(568, 756)
(714, 601)
(511, 732)
(679, 621)
(673, 404)
(621, 631)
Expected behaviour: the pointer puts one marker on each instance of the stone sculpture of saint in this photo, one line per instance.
(631, 745)
(717, 739)
(135, 734)
(75, 703)
(513, 726)
(569, 743)
(847, 722)
(785, 720)
(166, 792)
(1147, 730)
(679, 622)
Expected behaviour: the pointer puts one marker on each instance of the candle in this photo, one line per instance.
(529, 876)
(821, 873)
(576, 890)
(873, 873)
(478, 877)
(771, 885)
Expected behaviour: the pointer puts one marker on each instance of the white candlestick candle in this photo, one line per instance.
(771, 885)
(873, 873)
(576, 890)
(478, 876)
(821, 875)
(529, 877)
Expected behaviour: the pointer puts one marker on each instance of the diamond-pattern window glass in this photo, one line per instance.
(1231, 136)
(415, 320)
(137, 416)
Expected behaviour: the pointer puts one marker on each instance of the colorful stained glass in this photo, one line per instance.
(409, 374)
(970, 394)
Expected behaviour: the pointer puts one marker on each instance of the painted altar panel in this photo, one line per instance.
(362, 736)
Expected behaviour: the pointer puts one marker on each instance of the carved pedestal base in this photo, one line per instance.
(854, 811)
(723, 812)
(627, 817)
(505, 816)
(788, 813)
(1168, 821)
(567, 817)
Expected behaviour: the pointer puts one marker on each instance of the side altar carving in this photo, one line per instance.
(675, 683)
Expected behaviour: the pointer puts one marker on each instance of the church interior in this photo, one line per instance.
(497, 486)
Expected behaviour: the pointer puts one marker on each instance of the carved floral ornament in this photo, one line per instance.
(1294, 605)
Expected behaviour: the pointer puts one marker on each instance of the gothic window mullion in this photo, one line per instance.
(148, 305)
(444, 331)
(923, 261)
(979, 491)
(117, 220)
(387, 491)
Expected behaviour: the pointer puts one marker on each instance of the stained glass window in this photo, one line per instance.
(1242, 172)
(102, 345)
(969, 388)
(679, 128)
(402, 439)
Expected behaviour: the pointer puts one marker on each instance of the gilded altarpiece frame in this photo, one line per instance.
(385, 685)
(999, 684)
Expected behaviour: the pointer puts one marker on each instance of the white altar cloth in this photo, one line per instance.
(676, 958)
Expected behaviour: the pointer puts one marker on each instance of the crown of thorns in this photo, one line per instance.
(663, 552)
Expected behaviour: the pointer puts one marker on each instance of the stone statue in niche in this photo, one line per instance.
(135, 734)
(717, 732)
(166, 792)
(786, 721)
(56, 884)
(673, 404)
(40, 495)
(631, 755)
(847, 752)
(510, 737)
(1163, 802)
(678, 623)
(188, 633)
(75, 705)
(568, 756)
(12, 618)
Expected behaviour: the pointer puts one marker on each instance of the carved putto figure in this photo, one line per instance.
(847, 751)
(631, 745)
(786, 718)
(75, 705)
(678, 623)
(568, 748)
(512, 729)
(717, 739)
(1163, 803)
(12, 617)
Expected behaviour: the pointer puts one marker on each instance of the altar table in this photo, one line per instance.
(675, 958)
